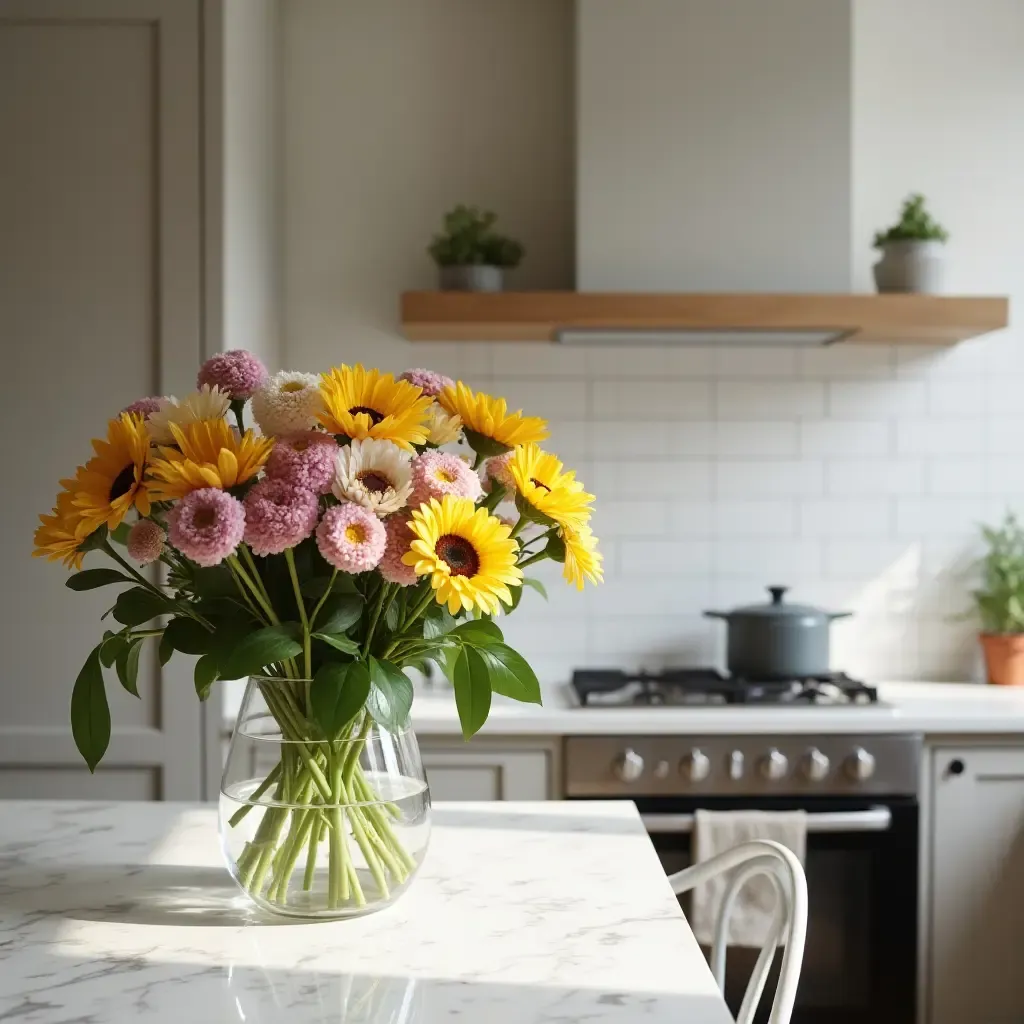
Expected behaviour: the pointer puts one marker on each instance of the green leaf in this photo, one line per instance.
(479, 632)
(90, 715)
(534, 584)
(110, 647)
(213, 581)
(128, 666)
(437, 622)
(120, 534)
(164, 651)
(206, 674)
(319, 585)
(339, 613)
(472, 690)
(390, 695)
(392, 615)
(257, 651)
(188, 636)
(90, 579)
(337, 695)
(136, 606)
(339, 642)
(510, 674)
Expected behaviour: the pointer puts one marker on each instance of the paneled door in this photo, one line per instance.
(100, 303)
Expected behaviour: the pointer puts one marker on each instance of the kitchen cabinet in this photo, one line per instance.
(976, 883)
(490, 769)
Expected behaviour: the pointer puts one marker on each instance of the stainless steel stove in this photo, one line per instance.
(859, 792)
(707, 686)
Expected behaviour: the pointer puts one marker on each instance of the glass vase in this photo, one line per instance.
(316, 827)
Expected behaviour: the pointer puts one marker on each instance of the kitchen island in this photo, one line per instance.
(522, 912)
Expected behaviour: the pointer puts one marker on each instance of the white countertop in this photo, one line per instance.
(522, 912)
(931, 708)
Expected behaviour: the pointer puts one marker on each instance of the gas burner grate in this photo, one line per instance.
(707, 687)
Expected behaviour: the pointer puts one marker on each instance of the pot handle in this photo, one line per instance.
(838, 615)
(715, 615)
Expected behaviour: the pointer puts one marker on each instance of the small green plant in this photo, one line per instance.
(915, 225)
(1000, 599)
(468, 239)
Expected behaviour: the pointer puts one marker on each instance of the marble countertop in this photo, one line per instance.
(930, 708)
(552, 912)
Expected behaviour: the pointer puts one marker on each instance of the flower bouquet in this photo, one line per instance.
(319, 552)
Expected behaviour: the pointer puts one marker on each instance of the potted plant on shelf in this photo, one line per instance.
(470, 254)
(912, 257)
(1000, 602)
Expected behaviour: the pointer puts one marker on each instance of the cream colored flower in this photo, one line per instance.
(442, 427)
(375, 474)
(288, 403)
(209, 403)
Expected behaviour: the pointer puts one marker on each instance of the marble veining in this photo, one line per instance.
(546, 912)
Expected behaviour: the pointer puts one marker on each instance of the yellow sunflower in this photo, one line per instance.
(114, 479)
(545, 492)
(209, 454)
(582, 559)
(469, 555)
(490, 428)
(55, 538)
(367, 403)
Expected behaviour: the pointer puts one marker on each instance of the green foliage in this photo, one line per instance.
(258, 651)
(339, 642)
(205, 675)
(188, 636)
(138, 605)
(90, 579)
(338, 694)
(1000, 599)
(915, 225)
(339, 613)
(90, 715)
(390, 699)
(468, 239)
(472, 683)
(127, 664)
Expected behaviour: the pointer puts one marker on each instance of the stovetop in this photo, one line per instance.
(707, 687)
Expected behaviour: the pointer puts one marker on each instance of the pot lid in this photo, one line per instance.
(779, 609)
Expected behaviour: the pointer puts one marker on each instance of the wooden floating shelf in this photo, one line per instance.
(542, 316)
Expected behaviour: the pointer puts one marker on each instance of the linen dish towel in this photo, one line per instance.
(715, 832)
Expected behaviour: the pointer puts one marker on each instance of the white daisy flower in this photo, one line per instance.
(373, 473)
(442, 427)
(208, 403)
(287, 403)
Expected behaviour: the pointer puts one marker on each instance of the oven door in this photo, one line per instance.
(860, 961)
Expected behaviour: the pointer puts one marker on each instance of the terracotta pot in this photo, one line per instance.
(1004, 658)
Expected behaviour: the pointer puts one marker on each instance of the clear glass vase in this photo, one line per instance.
(316, 827)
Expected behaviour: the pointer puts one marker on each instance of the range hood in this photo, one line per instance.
(716, 198)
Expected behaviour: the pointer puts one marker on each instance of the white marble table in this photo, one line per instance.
(522, 912)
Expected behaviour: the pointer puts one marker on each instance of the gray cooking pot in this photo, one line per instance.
(778, 640)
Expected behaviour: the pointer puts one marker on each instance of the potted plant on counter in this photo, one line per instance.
(472, 256)
(912, 256)
(1000, 602)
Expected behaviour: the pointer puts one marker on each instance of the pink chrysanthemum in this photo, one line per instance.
(278, 516)
(144, 407)
(146, 541)
(399, 538)
(351, 538)
(435, 474)
(429, 382)
(237, 373)
(206, 525)
(304, 460)
(497, 469)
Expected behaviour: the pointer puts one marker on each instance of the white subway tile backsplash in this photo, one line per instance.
(756, 362)
(550, 399)
(650, 399)
(692, 438)
(613, 518)
(652, 479)
(769, 478)
(692, 518)
(536, 359)
(858, 361)
(872, 560)
(742, 440)
(845, 517)
(755, 518)
(611, 439)
(945, 517)
(940, 437)
(956, 477)
(876, 399)
(769, 399)
(844, 438)
(779, 560)
(856, 477)
(665, 557)
(958, 396)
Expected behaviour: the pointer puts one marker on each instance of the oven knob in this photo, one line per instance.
(860, 765)
(629, 765)
(815, 765)
(774, 765)
(695, 766)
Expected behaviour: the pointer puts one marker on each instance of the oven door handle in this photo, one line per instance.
(874, 819)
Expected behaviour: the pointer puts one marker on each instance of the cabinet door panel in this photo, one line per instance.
(455, 774)
(977, 885)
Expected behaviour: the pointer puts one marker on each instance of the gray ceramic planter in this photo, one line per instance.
(472, 278)
(917, 267)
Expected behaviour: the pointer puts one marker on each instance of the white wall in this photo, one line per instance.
(857, 475)
(714, 145)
